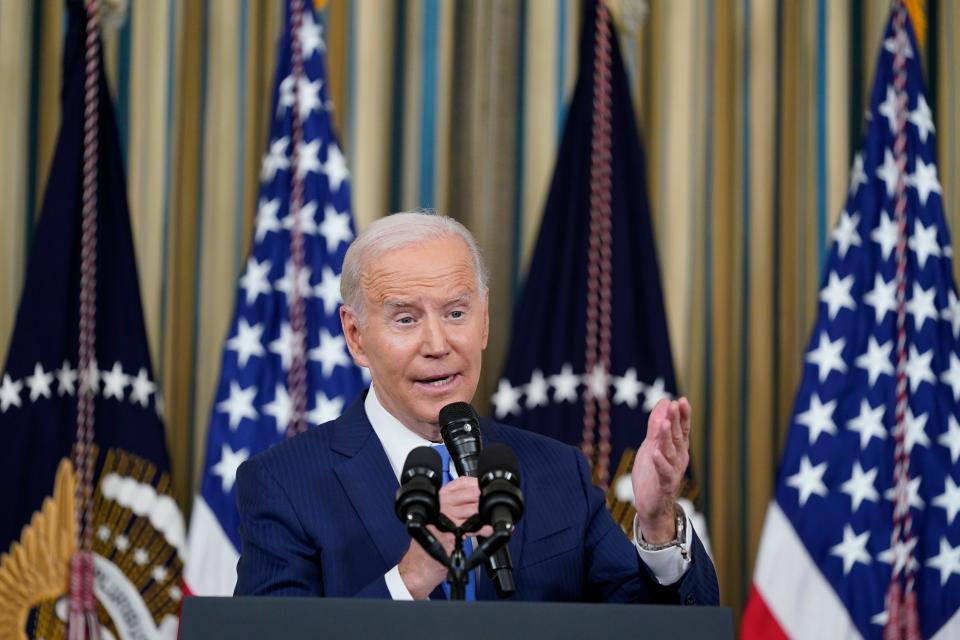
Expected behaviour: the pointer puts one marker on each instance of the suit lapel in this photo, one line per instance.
(369, 483)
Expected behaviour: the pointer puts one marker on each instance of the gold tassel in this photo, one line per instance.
(916, 9)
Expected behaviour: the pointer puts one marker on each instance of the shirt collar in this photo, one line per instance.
(397, 440)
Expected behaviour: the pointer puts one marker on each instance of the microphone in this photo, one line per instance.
(501, 501)
(418, 499)
(460, 430)
(418, 496)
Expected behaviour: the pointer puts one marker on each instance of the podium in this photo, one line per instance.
(249, 617)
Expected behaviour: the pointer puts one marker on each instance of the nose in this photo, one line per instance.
(434, 343)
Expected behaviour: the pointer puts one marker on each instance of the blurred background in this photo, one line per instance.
(749, 112)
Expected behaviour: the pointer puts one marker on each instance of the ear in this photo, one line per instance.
(352, 332)
(486, 320)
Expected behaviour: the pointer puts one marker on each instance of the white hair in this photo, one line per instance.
(399, 231)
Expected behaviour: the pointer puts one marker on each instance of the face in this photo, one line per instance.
(424, 329)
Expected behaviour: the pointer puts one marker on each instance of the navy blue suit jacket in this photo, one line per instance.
(317, 519)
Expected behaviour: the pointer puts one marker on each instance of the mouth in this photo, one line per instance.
(439, 382)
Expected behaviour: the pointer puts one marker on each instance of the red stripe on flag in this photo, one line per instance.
(758, 621)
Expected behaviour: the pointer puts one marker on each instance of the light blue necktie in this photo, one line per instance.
(470, 592)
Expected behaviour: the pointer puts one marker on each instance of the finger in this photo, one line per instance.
(665, 442)
(666, 471)
(686, 415)
(659, 411)
(675, 431)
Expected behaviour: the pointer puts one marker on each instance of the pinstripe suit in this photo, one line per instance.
(317, 518)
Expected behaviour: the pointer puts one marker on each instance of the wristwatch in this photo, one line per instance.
(680, 540)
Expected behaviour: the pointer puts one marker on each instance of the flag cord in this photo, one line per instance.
(83, 608)
(901, 605)
(600, 253)
(297, 376)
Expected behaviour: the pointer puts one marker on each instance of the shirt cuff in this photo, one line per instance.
(667, 565)
(398, 590)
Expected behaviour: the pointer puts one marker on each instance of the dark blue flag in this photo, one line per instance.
(548, 379)
(138, 530)
(253, 407)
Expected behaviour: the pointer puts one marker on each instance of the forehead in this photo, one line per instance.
(436, 268)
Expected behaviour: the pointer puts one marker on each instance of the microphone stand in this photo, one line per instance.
(458, 564)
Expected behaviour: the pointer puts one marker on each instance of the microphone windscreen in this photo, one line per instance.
(423, 457)
(457, 412)
(498, 456)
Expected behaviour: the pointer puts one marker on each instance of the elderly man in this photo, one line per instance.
(317, 514)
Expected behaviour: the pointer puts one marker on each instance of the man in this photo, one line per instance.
(317, 514)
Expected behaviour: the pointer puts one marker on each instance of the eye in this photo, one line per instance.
(457, 314)
(405, 320)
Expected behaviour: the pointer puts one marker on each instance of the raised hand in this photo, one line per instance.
(659, 469)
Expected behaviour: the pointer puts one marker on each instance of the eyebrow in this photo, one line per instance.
(393, 304)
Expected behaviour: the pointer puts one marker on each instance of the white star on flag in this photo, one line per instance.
(285, 346)
(267, 220)
(114, 382)
(883, 297)
(949, 500)
(335, 167)
(888, 109)
(885, 234)
(626, 388)
(247, 342)
(330, 353)
(951, 313)
(951, 376)
(597, 382)
(66, 379)
(876, 360)
(922, 118)
(857, 175)
(889, 172)
(239, 405)
(921, 305)
(818, 418)
(947, 561)
(918, 368)
(254, 280)
(303, 219)
(230, 461)
(328, 290)
(141, 388)
(506, 400)
(914, 431)
(845, 234)
(654, 394)
(808, 480)
(325, 409)
(924, 180)
(311, 36)
(280, 408)
(836, 295)
(852, 549)
(335, 228)
(276, 159)
(565, 384)
(309, 160)
(828, 356)
(9, 393)
(39, 383)
(951, 439)
(860, 486)
(537, 390)
(923, 242)
(869, 423)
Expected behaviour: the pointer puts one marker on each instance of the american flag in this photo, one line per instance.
(844, 551)
(253, 408)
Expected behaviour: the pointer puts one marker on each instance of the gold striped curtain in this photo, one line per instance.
(749, 109)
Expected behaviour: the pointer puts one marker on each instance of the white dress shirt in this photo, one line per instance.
(667, 565)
